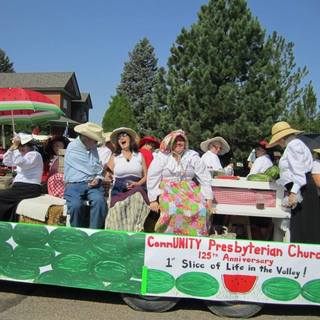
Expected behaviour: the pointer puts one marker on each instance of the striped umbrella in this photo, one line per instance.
(25, 106)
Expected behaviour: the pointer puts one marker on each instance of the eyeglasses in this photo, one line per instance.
(122, 134)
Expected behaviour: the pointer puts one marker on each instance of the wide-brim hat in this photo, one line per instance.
(25, 138)
(149, 139)
(225, 148)
(130, 132)
(90, 130)
(280, 130)
(316, 150)
(106, 136)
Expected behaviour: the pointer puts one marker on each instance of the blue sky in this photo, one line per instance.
(93, 38)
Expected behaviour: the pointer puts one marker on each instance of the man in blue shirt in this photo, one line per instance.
(83, 177)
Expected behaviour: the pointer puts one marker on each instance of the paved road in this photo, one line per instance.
(20, 301)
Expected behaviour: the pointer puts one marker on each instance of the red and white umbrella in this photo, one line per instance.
(19, 105)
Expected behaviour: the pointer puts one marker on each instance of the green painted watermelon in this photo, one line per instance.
(239, 283)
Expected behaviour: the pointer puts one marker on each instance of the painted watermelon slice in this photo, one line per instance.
(227, 177)
(238, 283)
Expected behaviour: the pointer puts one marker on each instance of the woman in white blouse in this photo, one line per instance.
(295, 174)
(263, 160)
(214, 148)
(183, 204)
(26, 184)
(129, 202)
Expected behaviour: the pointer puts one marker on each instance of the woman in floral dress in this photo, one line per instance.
(184, 205)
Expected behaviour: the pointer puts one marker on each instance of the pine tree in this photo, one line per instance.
(138, 80)
(226, 78)
(5, 64)
(155, 117)
(305, 114)
(119, 114)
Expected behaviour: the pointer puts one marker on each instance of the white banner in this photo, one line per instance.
(224, 269)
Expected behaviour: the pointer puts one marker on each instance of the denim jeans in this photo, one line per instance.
(75, 194)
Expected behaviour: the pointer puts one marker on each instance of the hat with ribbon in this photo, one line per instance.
(149, 139)
(90, 130)
(280, 130)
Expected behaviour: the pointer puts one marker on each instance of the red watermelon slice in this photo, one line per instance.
(238, 283)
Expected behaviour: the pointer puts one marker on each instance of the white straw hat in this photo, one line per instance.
(130, 132)
(90, 130)
(225, 148)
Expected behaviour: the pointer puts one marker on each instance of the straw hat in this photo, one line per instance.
(130, 132)
(149, 139)
(316, 150)
(225, 148)
(90, 130)
(280, 130)
(106, 136)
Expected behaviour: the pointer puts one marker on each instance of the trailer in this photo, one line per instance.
(152, 272)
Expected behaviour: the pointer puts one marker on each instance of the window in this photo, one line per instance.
(65, 105)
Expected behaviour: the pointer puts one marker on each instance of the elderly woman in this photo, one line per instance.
(26, 183)
(183, 204)
(295, 175)
(213, 148)
(129, 201)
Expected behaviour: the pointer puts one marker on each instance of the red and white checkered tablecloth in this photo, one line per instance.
(56, 185)
(242, 196)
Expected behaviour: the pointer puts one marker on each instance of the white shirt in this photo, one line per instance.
(104, 154)
(316, 167)
(261, 164)
(124, 168)
(295, 162)
(211, 161)
(29, 167)
(165, 166)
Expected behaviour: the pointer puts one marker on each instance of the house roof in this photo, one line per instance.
(85, 99)
(43, 81)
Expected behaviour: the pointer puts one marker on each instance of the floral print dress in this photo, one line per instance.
(182, 201)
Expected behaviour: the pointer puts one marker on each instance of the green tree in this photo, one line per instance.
(155, 120)
(305, 114)
(225, 77)
(119, 114)
(138, 80)
(5, 64)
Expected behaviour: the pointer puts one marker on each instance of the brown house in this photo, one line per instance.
(61, 87)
